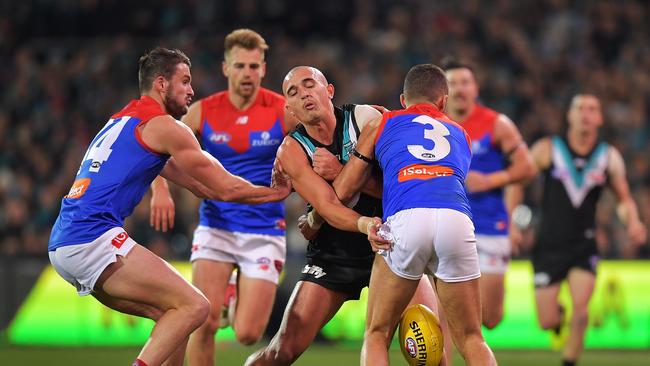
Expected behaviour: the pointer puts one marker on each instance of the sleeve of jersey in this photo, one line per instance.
(469, 141)
(384, 119)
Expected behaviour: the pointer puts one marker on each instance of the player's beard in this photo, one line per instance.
(174, 108)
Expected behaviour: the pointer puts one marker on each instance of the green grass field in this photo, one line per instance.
(315, 356)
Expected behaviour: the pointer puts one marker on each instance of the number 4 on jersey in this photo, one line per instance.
(100, 149)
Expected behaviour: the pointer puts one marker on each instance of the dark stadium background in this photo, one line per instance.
(65, 66)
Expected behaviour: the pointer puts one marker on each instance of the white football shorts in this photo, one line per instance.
(257, 255)
(82, 264)
(493, 253)
(436, 241)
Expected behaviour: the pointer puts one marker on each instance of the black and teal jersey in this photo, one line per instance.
(334, 245)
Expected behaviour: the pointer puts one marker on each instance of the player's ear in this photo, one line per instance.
(288, 110)
(263, 68)
(402, 100)
(224, 68)
(442, 103)
(330, 91)
(160, 83)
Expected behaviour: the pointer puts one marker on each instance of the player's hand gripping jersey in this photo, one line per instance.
(245, 142)
(115, 173)
(425, 157)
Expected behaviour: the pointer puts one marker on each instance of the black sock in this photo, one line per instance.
(568, 363)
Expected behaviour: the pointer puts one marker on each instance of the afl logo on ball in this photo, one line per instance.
(410, 346)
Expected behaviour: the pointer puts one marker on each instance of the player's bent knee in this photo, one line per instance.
(580, 318)
(153, 313)
(211, 323)
(549, 323)
(248, 338)
(197, 311)
(491, 321)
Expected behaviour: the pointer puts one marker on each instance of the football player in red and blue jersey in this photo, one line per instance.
(425, 158)
(88, 246)
(243, 128)
(500, 157)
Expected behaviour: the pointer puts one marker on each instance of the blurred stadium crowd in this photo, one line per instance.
(66, 68)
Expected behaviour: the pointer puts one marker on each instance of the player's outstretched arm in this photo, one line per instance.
(626, 208)
(174, 173)
(168, 136)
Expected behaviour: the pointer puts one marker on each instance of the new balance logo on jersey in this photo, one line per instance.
(241, 120)
(265, 140)
(220, 138)
(478, 148)
(314, 270)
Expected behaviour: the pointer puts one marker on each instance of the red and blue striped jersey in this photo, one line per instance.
(115, 173)
(245, 142)
(490, 214)
(425, 158)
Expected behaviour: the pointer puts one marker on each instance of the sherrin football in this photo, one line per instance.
(420, 336)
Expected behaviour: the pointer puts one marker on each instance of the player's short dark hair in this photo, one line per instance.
(581, 93)
(244, 38)
(451, 63)
(159, 62)
(425, 80)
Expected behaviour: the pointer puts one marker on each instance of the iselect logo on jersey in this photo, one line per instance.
(78, 188)
(422, 171)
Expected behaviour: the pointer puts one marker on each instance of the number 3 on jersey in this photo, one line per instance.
(100, 149)
(441, 146)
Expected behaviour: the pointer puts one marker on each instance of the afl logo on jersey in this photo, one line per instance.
(264, 140)
(220, 137)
